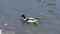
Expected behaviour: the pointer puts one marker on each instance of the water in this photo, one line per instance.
(11, 10)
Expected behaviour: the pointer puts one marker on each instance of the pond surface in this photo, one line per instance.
(11, 10)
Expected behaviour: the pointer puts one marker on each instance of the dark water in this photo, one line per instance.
(11, 10)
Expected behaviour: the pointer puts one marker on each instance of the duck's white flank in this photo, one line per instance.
(30, 20)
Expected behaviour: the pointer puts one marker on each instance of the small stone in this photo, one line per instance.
(5, 24)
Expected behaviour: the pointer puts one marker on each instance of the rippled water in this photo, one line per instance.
(11, 10)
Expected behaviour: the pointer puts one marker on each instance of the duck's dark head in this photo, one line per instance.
(23, 16)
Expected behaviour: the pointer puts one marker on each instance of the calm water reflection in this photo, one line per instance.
(11, 11)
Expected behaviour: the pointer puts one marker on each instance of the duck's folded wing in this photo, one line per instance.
(30, 18)
(30, 21)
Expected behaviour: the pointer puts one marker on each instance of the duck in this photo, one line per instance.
(29, 20)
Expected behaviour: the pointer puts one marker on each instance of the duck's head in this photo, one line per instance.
(23, 16)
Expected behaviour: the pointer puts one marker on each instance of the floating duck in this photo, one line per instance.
(29, 20)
